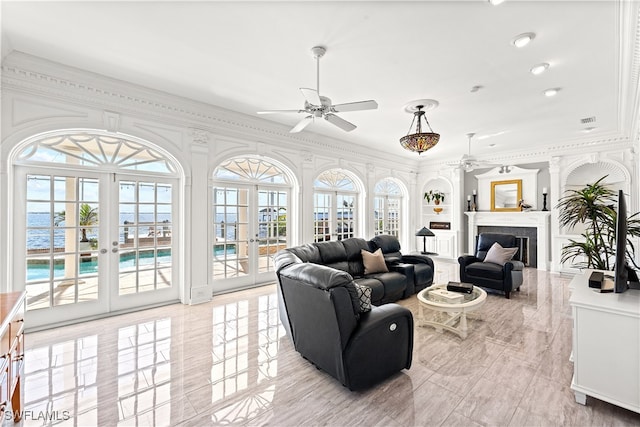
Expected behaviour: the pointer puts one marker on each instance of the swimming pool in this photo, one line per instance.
(40, 269)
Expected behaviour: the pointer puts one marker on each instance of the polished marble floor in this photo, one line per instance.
(228, 362)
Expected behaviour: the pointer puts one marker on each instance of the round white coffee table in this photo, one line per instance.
(452, 307)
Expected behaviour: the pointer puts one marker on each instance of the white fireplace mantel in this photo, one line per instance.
(538, 219)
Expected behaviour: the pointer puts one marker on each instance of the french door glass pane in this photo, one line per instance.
(322, 217)
(378, 215)
(272, 226)
(231, 231)
(345, 216)
(61, 240)
(393, 216)
(145, 224)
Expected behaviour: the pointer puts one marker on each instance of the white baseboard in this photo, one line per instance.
(200, 294)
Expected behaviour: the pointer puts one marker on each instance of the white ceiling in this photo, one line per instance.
(251, 56)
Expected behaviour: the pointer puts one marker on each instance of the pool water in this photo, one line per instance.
(40, 270)
(88, 266)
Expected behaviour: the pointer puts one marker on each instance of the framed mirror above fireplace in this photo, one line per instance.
(506, 195)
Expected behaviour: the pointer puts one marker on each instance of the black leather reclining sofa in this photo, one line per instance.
(408, 274)
(324, 316)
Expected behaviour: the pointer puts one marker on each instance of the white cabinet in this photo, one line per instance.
(606, 344)
(444, 243)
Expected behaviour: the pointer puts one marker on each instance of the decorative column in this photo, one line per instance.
(197, 288)
(555, 191)
(308, 175)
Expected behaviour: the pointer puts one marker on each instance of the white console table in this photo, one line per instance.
(606, 344)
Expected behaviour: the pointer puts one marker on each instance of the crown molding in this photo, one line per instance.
(629, 72)
(37, 76)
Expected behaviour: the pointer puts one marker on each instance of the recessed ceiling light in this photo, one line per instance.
(523, 39)
(496, 2)
(539, 69)
(552, 92)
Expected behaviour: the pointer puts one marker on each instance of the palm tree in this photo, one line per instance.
(87, 218)
(594, 206)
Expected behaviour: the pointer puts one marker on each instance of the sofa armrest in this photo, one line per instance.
(381, 345)
(417, 259)
(513, 275)
(465, 260)
(408, 271)
(513, 265)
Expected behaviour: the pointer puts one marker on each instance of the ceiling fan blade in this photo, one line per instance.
(311, 95)
(280, 111)
(340, 122)
(356, 106)
(301, 124)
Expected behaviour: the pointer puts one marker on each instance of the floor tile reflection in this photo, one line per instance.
(229, 362)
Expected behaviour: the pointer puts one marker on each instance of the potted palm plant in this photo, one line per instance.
(593, 206)
(436, 195)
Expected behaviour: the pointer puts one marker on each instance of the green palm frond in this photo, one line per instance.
(594, 207)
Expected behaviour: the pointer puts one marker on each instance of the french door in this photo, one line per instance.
(334, 216)
(144, 239)
(88, 243)
(249, 226)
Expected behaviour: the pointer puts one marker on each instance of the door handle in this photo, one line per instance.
(114, 250)
(103, 251)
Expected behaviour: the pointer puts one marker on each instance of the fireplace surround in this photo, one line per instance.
(535, 225)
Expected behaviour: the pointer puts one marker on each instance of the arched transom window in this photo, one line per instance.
(97, 150)
(252, 170)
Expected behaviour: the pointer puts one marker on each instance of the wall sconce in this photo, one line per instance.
(504, 169)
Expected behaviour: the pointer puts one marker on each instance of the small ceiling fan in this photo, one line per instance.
(316, 105)
(468, 162)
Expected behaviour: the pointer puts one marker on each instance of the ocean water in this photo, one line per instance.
(40, 226)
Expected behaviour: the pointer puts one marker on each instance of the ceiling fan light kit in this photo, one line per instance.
(419, 141)
(316, 105)
(468, 163)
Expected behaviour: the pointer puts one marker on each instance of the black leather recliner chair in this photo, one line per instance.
(320, 310)
(422, 265)
(505, 278)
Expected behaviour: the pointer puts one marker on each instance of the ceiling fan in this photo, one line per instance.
(316, 105)
(468, 162)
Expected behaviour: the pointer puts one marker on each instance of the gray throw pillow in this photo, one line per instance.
(499, 255)
(373, 262)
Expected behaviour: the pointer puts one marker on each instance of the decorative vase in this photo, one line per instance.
(436, 201)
